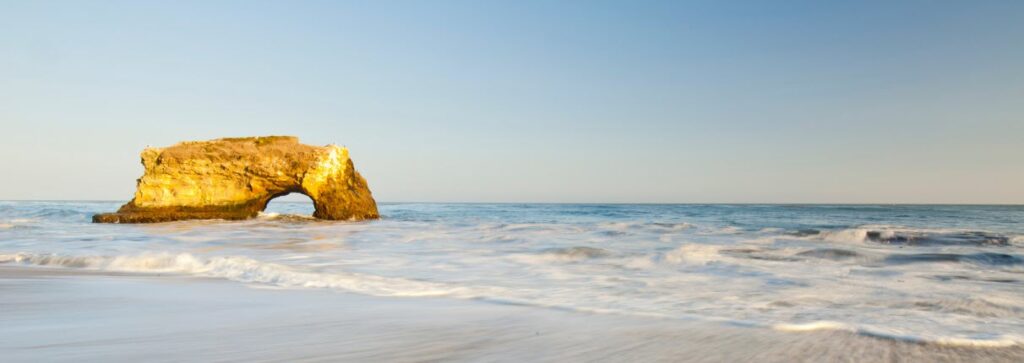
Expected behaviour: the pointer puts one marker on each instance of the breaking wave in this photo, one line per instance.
(915, 237)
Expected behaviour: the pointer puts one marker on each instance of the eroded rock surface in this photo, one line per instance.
(234, 178)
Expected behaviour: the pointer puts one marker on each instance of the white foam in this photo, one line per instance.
(271, 216)
(618, 226)
(658, 227)
(242, 269)
(813, 326)
(855, 235)
(693, 253)
(14, 223)
(1001, 341)
(273, 275)
(639, 263)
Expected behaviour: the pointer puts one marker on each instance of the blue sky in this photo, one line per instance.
(532, 101)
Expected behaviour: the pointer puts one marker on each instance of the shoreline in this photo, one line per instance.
(72, 315)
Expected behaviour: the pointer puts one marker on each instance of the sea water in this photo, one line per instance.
(942, 274)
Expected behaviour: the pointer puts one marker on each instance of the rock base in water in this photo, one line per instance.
(235, 178)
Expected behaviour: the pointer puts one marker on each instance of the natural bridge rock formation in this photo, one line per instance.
(234, 178)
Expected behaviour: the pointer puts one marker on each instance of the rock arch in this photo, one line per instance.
(235, 178)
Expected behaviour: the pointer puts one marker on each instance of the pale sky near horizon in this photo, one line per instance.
(532, 101)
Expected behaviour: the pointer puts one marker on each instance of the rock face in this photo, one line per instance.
(235, 178)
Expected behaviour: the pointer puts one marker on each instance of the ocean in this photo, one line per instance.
(931, 275)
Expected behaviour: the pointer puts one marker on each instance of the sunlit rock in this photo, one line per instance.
(235, 178)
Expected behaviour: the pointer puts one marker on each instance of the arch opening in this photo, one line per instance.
(295, 203)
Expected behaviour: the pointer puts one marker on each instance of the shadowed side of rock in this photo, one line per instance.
(235, 178)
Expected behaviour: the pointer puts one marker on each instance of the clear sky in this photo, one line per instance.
(532, 101)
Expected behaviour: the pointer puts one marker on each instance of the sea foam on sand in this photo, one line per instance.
(55, 315)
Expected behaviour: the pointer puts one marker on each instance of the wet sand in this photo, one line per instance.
(75, 315)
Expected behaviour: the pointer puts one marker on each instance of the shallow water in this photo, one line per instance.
(950, 275)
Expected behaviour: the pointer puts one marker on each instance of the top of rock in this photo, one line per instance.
(258, 140)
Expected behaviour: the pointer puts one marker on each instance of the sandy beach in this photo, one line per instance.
(55, 315)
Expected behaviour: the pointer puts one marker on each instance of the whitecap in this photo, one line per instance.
(896, 235)
(692, 253)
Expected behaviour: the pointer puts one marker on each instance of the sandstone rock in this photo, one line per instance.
(235, 178)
